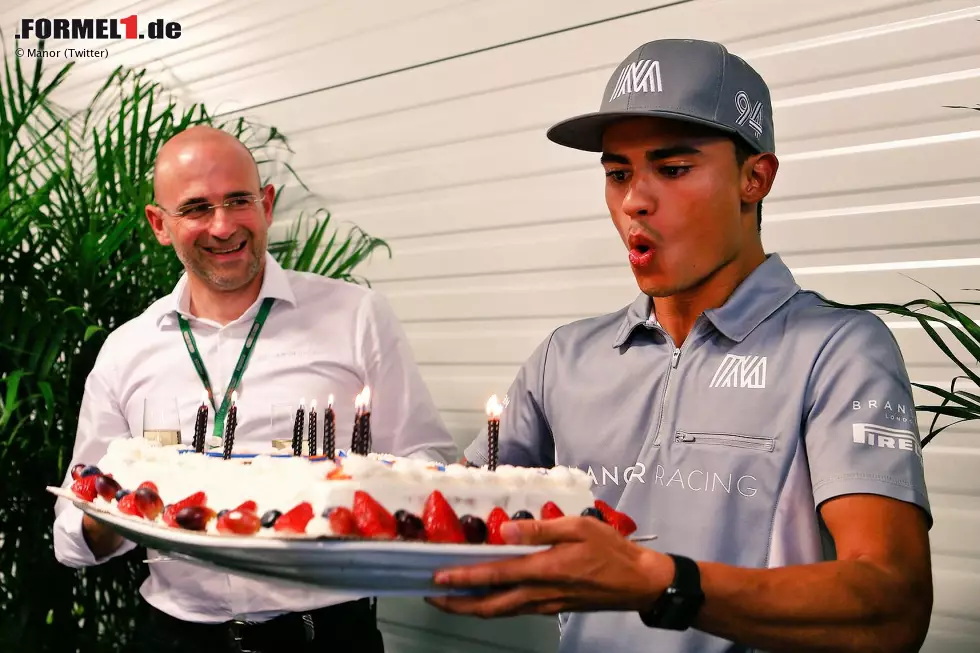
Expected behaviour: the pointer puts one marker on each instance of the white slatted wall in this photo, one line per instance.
(423, 122)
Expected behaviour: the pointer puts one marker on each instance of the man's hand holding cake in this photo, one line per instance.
(589, 566)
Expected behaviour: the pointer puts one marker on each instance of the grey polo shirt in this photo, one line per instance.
(726, 446)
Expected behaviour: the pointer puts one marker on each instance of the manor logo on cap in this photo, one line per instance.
(641, 76)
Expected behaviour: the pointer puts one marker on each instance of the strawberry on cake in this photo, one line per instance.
(375, 496)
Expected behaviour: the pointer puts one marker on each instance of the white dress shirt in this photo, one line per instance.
(323, 336)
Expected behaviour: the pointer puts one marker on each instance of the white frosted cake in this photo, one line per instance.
(373, 496)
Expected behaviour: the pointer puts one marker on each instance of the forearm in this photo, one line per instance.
(79, 541)
(102, 540)
(832, 606)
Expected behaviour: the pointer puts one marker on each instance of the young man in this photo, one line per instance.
(317, 337)
(767, 439)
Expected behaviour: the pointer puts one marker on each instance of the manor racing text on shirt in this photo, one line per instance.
(697, 480)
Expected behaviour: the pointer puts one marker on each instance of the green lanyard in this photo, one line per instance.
(236, 377)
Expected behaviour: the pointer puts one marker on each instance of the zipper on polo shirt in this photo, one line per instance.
(675, 357)
(759, 443)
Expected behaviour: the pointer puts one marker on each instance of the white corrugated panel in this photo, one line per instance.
(424, 123)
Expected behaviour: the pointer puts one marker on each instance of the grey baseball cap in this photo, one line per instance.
(682, 79)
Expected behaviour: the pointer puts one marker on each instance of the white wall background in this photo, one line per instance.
(423, 122)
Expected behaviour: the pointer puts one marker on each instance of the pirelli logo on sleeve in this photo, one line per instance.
(883, 437)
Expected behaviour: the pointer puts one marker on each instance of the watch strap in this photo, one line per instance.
(678, 606)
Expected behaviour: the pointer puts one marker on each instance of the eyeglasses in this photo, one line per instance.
(203, 209)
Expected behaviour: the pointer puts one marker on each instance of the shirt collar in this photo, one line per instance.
(637, 313)
(275, 283)
(767, 288)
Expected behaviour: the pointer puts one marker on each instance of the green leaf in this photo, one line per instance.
(971, 327)
(957, 398)
(934, 432)
(950, 411)
(91, 331)
(946, 350)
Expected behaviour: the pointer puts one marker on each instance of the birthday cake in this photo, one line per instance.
(351, 495)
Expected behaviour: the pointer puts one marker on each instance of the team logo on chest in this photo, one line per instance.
(740, 372)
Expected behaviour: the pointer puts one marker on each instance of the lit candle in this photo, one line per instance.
(298, 429)
(493, 431)
(201, 424)
(329, 429)
(311, 438)
(231, 423)
(365, 421)
(355, 438)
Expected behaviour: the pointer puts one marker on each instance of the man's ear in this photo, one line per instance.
(758, 175)
(155, 217)
(268, 199)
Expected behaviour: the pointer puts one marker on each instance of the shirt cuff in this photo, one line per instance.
(476, 453)
(428, 456)
(872, 484)
(70, 547)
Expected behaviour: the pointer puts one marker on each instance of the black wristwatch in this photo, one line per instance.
(679, 604)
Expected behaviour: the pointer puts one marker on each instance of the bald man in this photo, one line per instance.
(317, 337)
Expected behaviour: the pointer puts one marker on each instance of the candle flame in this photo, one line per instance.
(302, 401)
(313, 405)
(363, 399)
(234, 396)
(366, 395)
(330, 401)
(494, 409)
(204, 398)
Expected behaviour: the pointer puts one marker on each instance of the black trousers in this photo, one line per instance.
(338, 628)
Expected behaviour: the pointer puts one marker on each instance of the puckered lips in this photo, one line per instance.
(641, 249)
(227, 252)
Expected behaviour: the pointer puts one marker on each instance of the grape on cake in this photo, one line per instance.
(376, 496)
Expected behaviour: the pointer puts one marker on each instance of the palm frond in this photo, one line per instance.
(335, 258)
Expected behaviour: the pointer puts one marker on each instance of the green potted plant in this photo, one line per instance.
(77, 259)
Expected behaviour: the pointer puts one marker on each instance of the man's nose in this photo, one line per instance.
(222, 224)
(640, 199)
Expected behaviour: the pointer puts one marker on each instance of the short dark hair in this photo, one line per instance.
(742, 153)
